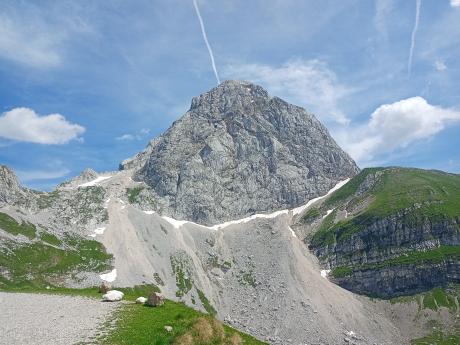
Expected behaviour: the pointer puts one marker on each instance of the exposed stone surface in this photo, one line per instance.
(374, 249)
(105, 287)
(237, 152)
(11, 192)
(155, 299)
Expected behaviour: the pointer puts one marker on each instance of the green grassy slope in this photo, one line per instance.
(139, 325)
(432, 194)
(46, 259)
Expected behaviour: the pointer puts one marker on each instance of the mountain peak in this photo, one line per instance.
(231, 95)
(237, 152)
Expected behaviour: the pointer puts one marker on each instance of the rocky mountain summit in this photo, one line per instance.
(237, 152)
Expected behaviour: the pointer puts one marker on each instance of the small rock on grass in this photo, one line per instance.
(168, 328)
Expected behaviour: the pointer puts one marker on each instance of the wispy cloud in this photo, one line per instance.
(136, 136)
(455, 3)
(395, 126)
(440, 65)
(383, 9)
(35, 36)
(205, 37)
(309, 83)
(36, 175)
(24, 124)
(418, 5)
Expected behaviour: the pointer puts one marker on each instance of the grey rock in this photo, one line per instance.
(237, 152)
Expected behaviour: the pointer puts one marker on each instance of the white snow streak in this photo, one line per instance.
(95, 181)
(205, 37)
(248, 219)
(414, 33)
(99, 231)
(178, 223)
(300, 209)
(327, 213)
(324, 273)
(293, 233)
(109, 277)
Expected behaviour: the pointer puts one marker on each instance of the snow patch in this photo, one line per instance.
(113, 296)
(293, 233)
(300, 209)
(325, 273)
(248, 219)
(328, 212)
(92, 235)
(95, 181)
(99, 231)
(109, 277)
(176, 223)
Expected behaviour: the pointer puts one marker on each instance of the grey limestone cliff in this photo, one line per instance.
(239, 151)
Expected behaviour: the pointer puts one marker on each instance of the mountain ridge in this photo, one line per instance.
(238, 151)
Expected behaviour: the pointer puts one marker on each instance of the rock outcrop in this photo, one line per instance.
(237, 152)
(401, 235)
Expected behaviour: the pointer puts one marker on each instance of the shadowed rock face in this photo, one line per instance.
(237, 152)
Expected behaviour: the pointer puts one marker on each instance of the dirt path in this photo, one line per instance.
(48, 319)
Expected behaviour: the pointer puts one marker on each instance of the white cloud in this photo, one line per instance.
(383, 9)
(38, 35)
(126, 137)
(440, 65)
(455, 3)
(395, 126)
(24, 124)
(27, 44)
(34, 175)
(309, 83)
(137, 136)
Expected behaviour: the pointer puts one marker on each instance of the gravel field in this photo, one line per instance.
(48, 319)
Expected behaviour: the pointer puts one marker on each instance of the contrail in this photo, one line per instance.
(414, 33)
(203, 31)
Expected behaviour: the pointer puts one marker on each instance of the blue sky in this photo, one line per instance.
(89, 83)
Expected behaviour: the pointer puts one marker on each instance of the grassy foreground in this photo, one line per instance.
(139, 325)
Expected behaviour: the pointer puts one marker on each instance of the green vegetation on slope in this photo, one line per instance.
(426, 193)
(9, 224)
(133, 193)
(350, 188)
(184, 281)
(206, 304)
(311, 215)
(438, 337)
(439, 254)
(139, 325)
(39, 264)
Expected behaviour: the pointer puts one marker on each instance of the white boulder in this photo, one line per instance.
(141, 300)
(113, 296)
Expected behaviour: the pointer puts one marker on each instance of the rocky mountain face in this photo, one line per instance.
(237, 152)
(392, 232)
(11, 192)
